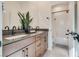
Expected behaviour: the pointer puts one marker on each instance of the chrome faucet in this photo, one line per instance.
(13, 28)
(7, 27)
(37, 28)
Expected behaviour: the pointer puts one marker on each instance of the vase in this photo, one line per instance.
(27, 30)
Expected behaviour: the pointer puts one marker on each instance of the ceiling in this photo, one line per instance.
(43, 2)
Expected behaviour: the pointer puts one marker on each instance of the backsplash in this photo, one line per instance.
(8, 32)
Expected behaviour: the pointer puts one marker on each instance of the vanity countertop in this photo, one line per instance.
(6, 42)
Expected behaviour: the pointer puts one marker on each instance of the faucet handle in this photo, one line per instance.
(37, 27)
(7, 27)
(14, 27)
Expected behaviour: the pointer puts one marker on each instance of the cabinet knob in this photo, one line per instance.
(23, 53)
(26, 52)
(23, 50)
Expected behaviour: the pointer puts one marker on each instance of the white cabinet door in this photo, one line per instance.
(18, 54)
(31, 50)
(44, 42)
(38, 48)
(21, 53)
(38, 45)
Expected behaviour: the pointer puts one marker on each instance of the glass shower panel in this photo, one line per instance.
(76, 45)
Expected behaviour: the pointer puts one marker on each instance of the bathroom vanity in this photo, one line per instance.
(25, 45)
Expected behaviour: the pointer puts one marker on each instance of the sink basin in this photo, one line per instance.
(14, 37)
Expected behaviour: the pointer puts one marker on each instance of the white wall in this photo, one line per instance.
(38, 10)
(10, 17)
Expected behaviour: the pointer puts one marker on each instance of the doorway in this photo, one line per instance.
(61, 24)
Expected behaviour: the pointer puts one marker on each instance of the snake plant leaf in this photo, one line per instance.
(21, 19)
(25, 19)
(30, 20)
(19, 15)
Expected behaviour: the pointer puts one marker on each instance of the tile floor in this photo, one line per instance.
(57, 51)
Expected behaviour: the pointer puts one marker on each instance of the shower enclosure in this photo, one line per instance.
(74, 16)
(76, 24)
(61, 26)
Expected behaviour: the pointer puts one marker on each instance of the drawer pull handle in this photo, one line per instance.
(26, 52)
(23, 50)
(23, 53)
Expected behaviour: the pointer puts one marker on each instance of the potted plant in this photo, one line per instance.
(25, 21)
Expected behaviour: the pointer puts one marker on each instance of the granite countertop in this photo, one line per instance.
(6, 42)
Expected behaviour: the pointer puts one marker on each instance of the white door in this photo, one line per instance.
(60, 26)
(31, 50)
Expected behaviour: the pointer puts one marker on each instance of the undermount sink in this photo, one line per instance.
(14, 37)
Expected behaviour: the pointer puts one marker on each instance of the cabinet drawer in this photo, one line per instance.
(8, 49)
